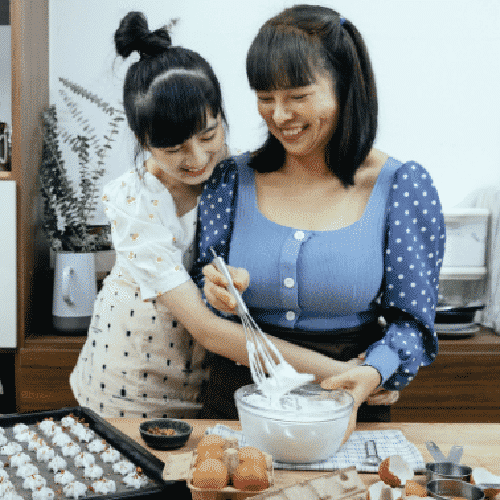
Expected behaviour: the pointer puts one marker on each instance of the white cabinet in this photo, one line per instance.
(8, 266)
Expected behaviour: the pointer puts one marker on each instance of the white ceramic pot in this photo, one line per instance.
(75, 291)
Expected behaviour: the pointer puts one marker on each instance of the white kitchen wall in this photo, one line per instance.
(436, 62)
(5, 77)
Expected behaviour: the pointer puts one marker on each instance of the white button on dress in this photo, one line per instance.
(299, 235)
(289, 282)
(290, 315)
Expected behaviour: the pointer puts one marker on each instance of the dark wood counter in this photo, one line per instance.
(462, 385)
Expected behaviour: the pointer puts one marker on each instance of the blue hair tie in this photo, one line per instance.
(342, 21)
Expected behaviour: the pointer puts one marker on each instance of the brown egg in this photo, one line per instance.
(253, 455)
(211, 440)
(208, 452)
(210, 474)
(250, 477)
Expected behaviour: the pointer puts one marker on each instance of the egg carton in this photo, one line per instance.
(227, 493)
(343, 484)
(149, 465)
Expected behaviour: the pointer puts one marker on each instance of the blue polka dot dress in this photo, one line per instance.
(138, 361)
(405, 290)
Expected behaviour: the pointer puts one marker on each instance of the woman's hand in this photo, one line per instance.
(216, 287)
(360, 382)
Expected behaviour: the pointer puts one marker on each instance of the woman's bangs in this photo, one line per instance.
(279, 60)
(179, 108)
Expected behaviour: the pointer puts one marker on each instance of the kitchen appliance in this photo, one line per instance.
(466, 232)
(462, 278)
(457, 321)
(75, 291)
(5, 147)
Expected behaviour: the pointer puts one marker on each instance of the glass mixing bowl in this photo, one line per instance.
(305, 426)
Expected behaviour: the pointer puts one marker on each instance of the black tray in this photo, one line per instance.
(151, 466)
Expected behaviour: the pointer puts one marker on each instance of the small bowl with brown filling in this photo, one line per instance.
(165, 433)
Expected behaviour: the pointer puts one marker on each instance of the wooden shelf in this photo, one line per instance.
(43, 368)
(30, 96)
(462, 385)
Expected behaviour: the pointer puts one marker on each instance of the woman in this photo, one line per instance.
(329, 233)
(139, 359)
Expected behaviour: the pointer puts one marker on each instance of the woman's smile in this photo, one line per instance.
(292, 133)
(303, 119)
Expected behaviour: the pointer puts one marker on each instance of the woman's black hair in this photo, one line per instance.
(167, 93)
(288, 51)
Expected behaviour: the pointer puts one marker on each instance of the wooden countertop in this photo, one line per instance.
(481, 442)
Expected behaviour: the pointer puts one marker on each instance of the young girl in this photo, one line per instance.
(139, 360)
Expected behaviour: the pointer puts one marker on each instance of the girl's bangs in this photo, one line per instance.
(281, 59)
(178, 109)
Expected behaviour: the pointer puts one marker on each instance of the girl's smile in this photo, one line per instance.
(193, 161)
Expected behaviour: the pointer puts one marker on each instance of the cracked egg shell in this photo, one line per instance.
(395, 471)
(480, 475)
(382, 491)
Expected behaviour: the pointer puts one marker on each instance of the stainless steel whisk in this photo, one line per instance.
(270, 371)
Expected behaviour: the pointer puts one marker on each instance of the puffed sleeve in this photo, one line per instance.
(215, 217)
(148, 239)
(415, 239)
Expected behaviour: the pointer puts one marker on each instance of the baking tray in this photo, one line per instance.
(151, 466)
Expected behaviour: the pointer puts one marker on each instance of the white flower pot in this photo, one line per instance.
(75, 291)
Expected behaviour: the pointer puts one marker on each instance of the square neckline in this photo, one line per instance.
(371, 201)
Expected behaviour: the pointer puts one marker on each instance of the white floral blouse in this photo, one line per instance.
(138, 361)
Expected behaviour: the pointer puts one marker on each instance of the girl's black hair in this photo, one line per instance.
(167, 93)
(288, 51)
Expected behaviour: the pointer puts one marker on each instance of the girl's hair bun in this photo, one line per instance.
(133, 35)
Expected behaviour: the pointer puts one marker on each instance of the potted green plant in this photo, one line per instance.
(67, 208)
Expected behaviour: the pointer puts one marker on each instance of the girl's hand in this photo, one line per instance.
(216, 287)
(360, 382)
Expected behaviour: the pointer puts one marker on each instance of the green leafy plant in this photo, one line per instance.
(67, 209)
